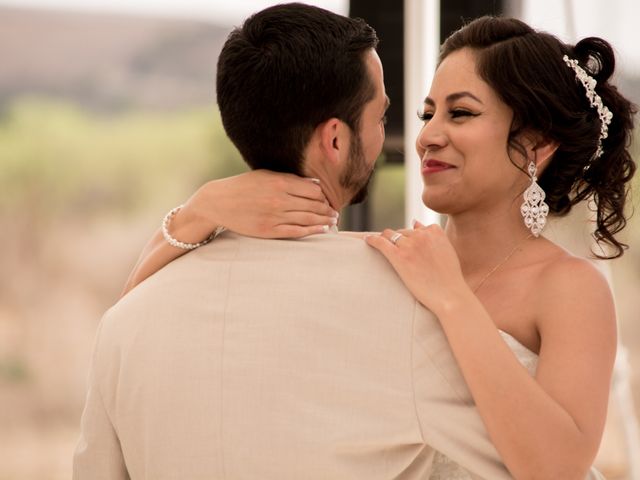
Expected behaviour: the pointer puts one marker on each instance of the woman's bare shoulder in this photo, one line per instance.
(570, 273)
(574, 295)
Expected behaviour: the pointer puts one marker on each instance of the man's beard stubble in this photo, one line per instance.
(357, 176)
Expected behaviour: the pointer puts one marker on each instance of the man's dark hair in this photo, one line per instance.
(285, 71)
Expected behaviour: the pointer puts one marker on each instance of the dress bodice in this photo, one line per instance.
(445, 468)
(526, 357)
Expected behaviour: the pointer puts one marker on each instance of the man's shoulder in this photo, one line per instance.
(342, 268)
(324, 245)
(210, 266)
(314, 254)
(295, 263)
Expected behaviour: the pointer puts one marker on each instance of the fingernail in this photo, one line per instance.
(315, 180)
(325, 228)
(334, 221)
(336, 214)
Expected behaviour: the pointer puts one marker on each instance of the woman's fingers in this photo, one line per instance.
(381, 243)
(298, 204)
(306, 219)
(297, 231)
(303, 187)
(405, 232)
(285, 192)
(397, 236)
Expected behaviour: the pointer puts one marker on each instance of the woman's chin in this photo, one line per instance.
(435, 202)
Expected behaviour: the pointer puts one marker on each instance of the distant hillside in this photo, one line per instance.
(108, 62)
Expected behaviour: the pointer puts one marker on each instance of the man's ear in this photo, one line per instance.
(334, 140)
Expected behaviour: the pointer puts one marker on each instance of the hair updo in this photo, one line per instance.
(525, 68)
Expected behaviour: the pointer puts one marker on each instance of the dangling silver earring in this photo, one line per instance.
(534, 210)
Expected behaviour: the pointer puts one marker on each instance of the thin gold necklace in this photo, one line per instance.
(501, 263)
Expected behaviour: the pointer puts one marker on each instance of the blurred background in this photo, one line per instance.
(108, 120)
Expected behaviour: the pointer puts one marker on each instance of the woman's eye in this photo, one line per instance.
(425, 116)
(461, 113)
(384, 120)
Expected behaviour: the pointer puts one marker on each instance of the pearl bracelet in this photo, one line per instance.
(177, 243)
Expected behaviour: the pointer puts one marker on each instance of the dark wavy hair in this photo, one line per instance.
(286, 70)
(525, 68)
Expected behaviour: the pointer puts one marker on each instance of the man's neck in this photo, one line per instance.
(333, 191)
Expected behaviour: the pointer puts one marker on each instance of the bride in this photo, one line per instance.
(533, 329)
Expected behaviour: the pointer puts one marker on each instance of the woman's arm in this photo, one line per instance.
(258, 203)
(544, 427)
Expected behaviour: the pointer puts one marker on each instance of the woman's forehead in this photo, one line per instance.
(457, 73)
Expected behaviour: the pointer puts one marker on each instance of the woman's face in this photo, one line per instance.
(463, 142)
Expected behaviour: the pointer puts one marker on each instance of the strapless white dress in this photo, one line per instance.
(445, 468)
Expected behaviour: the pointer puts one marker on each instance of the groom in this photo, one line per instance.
(278, 359)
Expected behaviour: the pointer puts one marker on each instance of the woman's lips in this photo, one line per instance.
(434, 166)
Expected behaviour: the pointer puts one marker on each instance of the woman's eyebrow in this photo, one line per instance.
(454, 96)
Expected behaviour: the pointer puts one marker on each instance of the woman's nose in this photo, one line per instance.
(431, 136)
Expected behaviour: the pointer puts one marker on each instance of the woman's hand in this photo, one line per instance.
(263, 204)
(259, 203)
(426, 262)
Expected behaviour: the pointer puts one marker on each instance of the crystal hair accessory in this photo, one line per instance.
(604, 113)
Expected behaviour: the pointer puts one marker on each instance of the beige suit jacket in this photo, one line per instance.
(276, 359)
